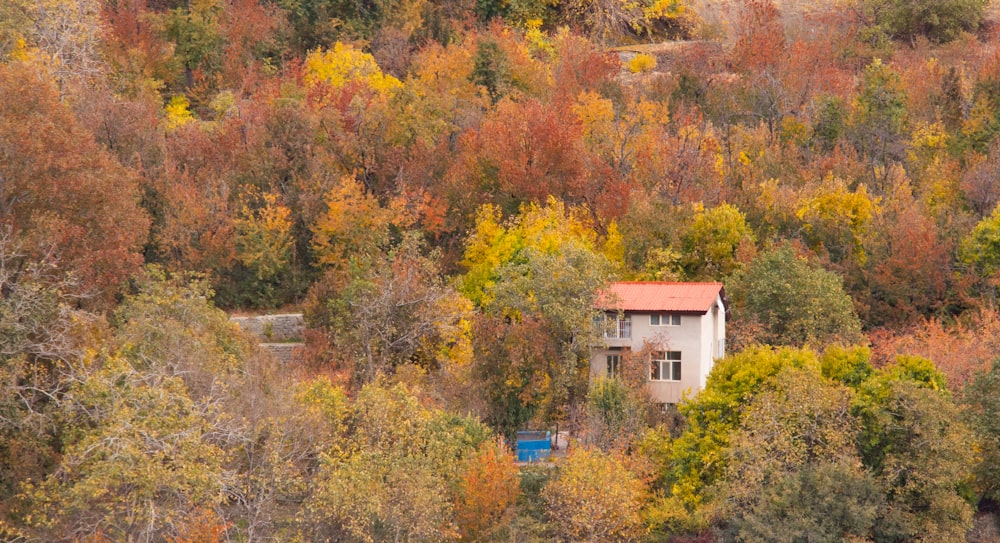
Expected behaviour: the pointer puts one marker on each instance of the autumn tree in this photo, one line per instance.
(909, 274)
(760, 36)
(41, 338)
(538, 274)
(61, 193)
(713, 241)
(525, 151)
(63, 36)
(355, 229)
(170, 326)
(383, 480)
(267, 427)
(486, 492)
(395, 312)
(119, 419)
(837, 221)
(594, 497)
(979, 183)
(265, 247)
(512, 362)
(195, 230)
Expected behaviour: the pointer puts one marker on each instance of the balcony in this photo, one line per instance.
(617, 328)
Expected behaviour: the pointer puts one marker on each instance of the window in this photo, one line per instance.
(666, 366)
(665, 319)
(614, 365)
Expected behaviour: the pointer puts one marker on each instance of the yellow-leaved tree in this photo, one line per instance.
(264, 246)
(595, 497)
(355, 227)
(838, 219)
(344, 65)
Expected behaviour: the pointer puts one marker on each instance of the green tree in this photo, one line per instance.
(616, 414)
(794, 471)
(780, 445)
(914, 441)
(492, 69)
(196, 31)
(513, 363)
(979, 251)
(982, 401)
(940, 21)
(783, 299)
(879, 120)
(698, 457)
(829, 122)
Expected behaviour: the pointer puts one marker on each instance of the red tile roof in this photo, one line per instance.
(661, 296)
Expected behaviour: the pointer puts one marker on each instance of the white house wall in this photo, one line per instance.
(693, 338)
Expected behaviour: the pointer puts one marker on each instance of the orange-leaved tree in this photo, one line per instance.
(63, 195)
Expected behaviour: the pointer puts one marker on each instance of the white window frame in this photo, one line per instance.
(665, 319)
(614, 365)
(665, 366)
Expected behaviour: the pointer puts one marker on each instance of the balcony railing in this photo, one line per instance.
(618, 329)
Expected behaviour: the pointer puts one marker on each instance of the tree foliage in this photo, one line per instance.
(794, 470)
(595, 497)
(781, 444)
(785, 300)
(62, 193)
(383, 481)
(939, 22)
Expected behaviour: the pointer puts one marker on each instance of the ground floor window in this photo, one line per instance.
(614, 365)
(666, 366)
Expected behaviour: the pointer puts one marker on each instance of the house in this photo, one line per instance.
(680, 328)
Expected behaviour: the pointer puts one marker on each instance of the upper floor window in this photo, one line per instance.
(665, 366)
(665, 319)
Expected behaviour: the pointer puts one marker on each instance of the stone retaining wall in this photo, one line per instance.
(286, 353)
(273, 328)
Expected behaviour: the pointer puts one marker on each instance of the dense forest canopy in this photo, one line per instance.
(444, 187)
